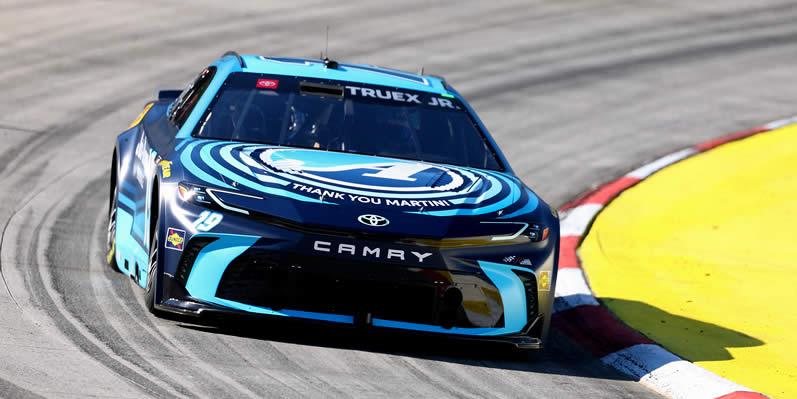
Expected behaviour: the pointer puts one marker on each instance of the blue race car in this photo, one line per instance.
(332, 192)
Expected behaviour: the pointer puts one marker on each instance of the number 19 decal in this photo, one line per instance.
(207, 220)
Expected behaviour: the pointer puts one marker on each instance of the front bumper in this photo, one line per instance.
(181, 304)
(254, 276)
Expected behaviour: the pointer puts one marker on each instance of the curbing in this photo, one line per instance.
(579, 315)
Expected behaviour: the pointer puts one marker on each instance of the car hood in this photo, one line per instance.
(345, 190)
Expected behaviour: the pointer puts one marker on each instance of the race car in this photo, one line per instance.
(334, 193)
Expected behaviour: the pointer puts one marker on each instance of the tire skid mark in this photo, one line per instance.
(422, 376)
(294, 369)
(597, 43)
(107, 278)
(315, 382)
(169, 38)
(70, 329)
(162, 345)
(56, 136)
(454, 376)
(85, 28)
(574, 77)
(243, 357)
(119, 288)
(11, 390)
(63, 283)
(484, 23)
(19, 129)
(28, 179)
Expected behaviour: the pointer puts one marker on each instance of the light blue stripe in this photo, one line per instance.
(189, 165)
(438, 195)
(129, 186)
(342, 158)
(513, 294)
(226, 154)
(530, 206)
(126, 201)
(319, 316)
(181, 144)
(493, 191)
(212, 261)
(440, 330)
(207, 157)
(503, 203)
(347, 72)
(127, 248)
(271, 179)
(335, 318)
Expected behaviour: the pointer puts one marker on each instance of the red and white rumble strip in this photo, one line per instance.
(582, 318)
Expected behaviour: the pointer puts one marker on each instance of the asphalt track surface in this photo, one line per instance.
(576, 93)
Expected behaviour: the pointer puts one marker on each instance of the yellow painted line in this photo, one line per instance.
(702, 258)
(141, 115)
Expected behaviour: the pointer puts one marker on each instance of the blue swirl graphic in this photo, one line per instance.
(472, 192)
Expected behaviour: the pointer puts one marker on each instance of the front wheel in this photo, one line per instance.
(110, 239)
(152, 271)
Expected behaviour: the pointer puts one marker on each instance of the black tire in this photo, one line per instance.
(110, 239)
(152, 270)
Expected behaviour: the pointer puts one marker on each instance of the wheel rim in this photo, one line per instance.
(110, 239)
(153, 261)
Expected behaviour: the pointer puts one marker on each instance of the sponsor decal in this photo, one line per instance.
(207, 220)
(554, 213)
(166, 168)
(146, 162)
(510, 258)
(268, 83)
(373, 220)
(364, 199)
(545, 282)
(175, 238)
(348, 171)
(400, 96)
(366, 251)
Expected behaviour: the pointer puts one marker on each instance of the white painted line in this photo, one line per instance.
(669, 374)
(572, 290)
(562, 303)
(578, 219)
(571, 281)
(660, 163)
(781, 123)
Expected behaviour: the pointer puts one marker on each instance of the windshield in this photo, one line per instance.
(346, 116)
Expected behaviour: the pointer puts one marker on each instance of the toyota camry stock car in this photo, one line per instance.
(331, 192)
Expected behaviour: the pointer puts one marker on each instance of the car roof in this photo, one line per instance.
(359, 73)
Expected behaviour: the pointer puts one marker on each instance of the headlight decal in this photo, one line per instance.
(523, 226)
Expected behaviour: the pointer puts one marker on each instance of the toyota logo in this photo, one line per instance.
(373, 220)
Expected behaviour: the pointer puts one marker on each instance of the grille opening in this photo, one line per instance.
(325, 285)
(530, 285)
(186, 262)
